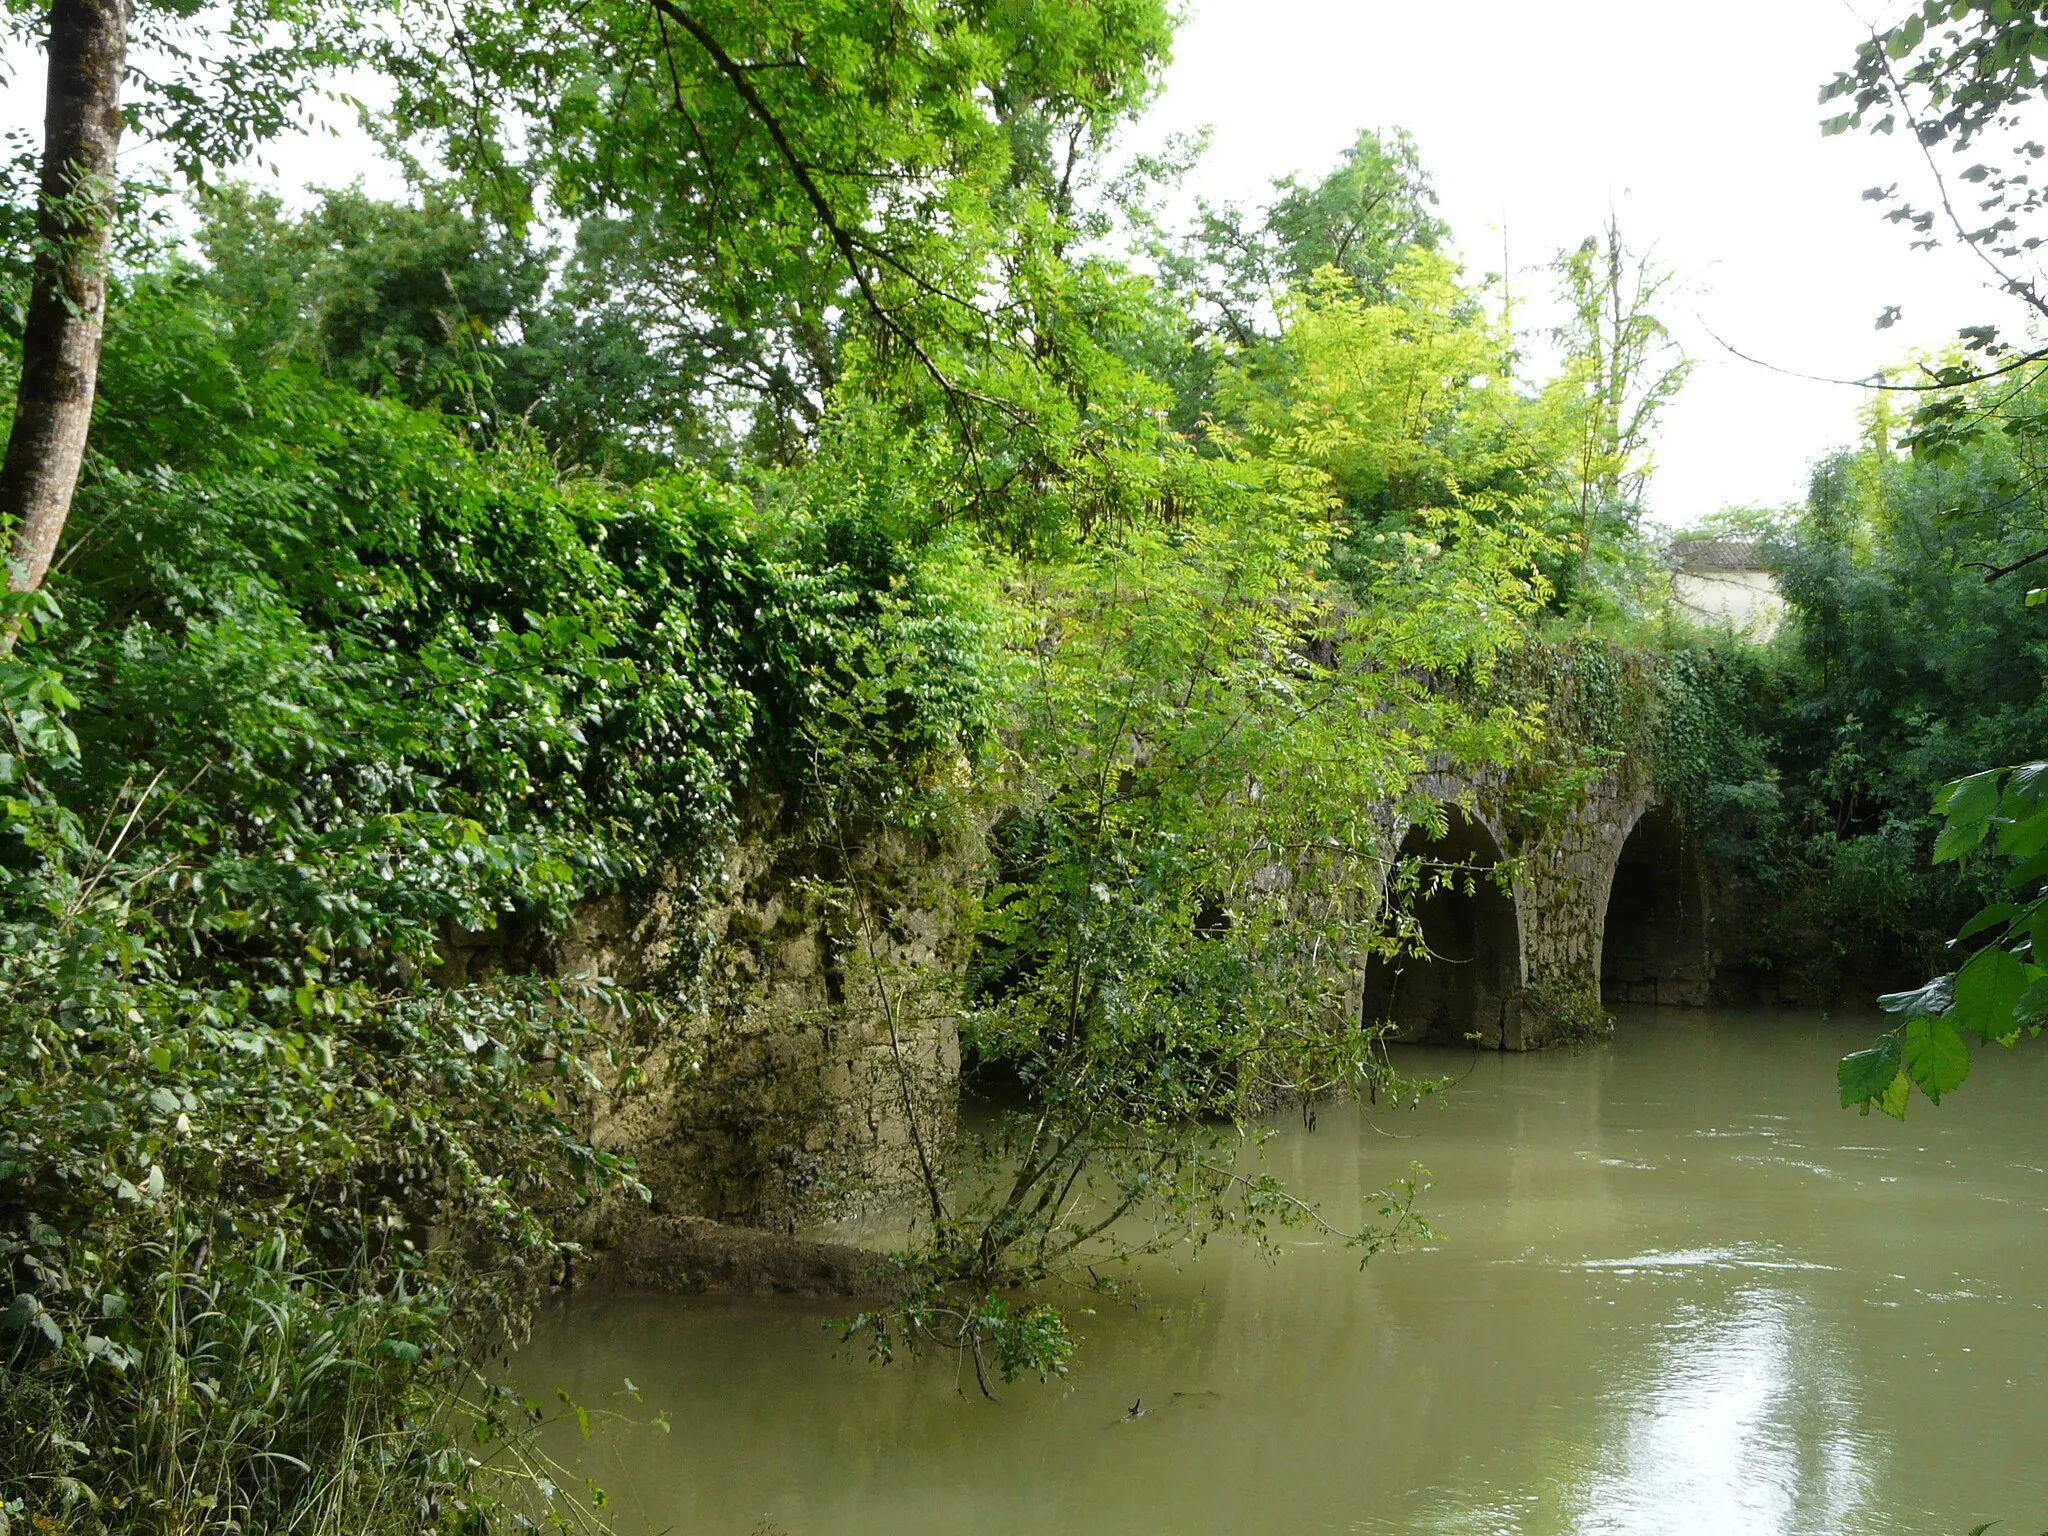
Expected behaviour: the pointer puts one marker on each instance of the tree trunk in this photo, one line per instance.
(60, 352)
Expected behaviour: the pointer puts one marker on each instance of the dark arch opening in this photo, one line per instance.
(1656, 942)
(1469, 982)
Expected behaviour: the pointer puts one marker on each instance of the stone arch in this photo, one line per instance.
(1470, 981)
(1655, 946)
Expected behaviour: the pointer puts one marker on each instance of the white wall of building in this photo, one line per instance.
(1747, 601)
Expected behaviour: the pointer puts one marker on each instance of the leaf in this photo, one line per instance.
(1969, 804)
(1926, 1002)
(1863, 1075)
(2027, 785)
(1998, 912)
(1936, 1057)
(2025, 837)
(1987, 990)
(1972, 799)
(2032, 1008)
(26, 1312)
(1958, 838)
(1893, 1100)
(2028, 872)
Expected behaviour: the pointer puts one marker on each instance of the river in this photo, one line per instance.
(1675, 1290)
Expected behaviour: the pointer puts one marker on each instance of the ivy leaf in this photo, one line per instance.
(1864, 1075)
(1987, 990)
(1936, 1057)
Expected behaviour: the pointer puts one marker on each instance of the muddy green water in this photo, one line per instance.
(1677, 1291)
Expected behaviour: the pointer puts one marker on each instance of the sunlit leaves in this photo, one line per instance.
(1935, 1056)
(1366, 384)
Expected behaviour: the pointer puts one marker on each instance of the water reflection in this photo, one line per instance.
(1680, 1292)
(1742, 1420)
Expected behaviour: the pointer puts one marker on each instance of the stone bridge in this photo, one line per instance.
(1522, 929)
(792, 1062)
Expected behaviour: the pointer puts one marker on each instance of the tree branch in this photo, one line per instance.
(842, 239)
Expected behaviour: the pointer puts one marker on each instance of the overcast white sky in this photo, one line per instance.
(1699, 125)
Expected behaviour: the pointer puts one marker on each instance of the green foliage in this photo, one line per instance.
(1186, 847)
(321, 680)
(899, 501)
(2000, 989)
(774, 179)
(1957, 75)
(249, 1213)
(1361, 219)
(1717, 704)
(1807, 766)
(1622, 370)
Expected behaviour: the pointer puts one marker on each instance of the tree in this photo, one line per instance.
(87, 44)
(779, 178)
(237, 89)
(1622, 367)
(1375, 386)
(784, 166)
(1200, 721)
(1362, 218)
(1954, 74)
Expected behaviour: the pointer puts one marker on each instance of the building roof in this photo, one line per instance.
(1716, 555)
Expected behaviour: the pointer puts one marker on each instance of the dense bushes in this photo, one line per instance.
(319, 674)
(1810, 767)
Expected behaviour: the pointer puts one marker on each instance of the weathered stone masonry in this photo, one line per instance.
(1539, 961)
(807, 1045)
